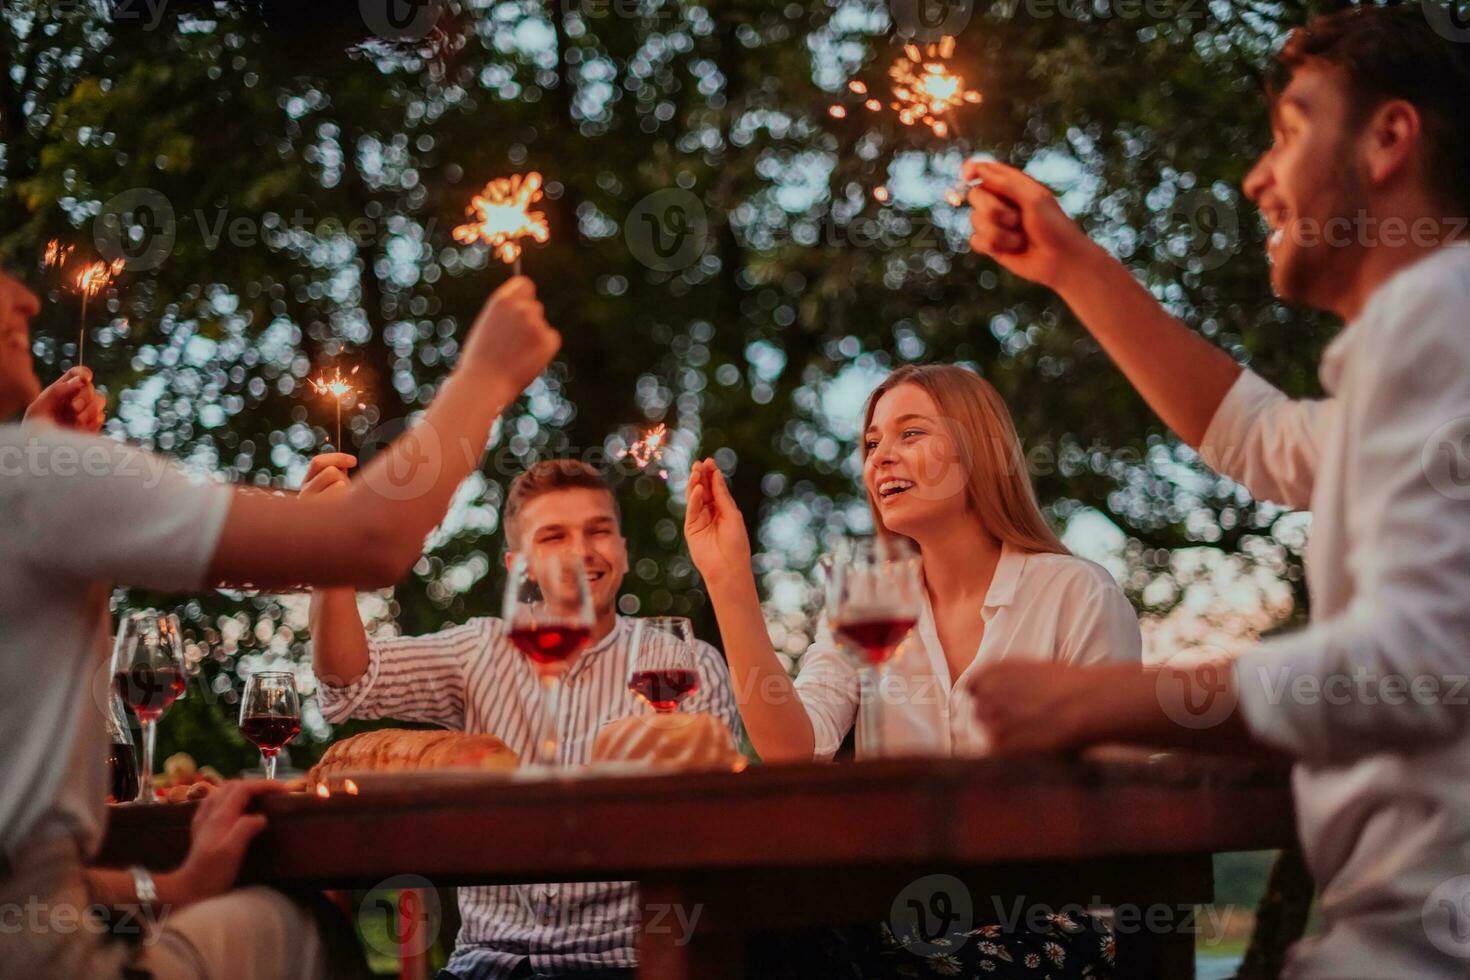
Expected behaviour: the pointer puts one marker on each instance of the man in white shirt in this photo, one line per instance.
(82, 514)
(1365, 189)
(470, 678)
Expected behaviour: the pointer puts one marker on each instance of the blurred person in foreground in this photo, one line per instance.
(83, 514)
(1366, 188)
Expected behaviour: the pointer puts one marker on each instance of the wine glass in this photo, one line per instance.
(662, 670)
(148, 674)
(270, 714)
(548, 610)
(873, 600)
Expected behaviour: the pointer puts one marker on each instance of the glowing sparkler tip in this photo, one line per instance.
(880, 194)
(837, 112)
(503, 216)
(649, 448)
(56, 254)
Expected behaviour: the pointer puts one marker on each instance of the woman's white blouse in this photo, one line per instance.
(1039, 607)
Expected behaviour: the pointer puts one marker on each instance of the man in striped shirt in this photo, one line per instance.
(470, 678)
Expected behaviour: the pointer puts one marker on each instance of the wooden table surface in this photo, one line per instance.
(777, 845)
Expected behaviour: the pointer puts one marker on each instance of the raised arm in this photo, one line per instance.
(339, 644)
(1019, 223)
(371, 534)
(720, 547)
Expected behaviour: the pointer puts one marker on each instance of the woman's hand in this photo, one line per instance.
(70, 402)
(713, 527)
(327, 474)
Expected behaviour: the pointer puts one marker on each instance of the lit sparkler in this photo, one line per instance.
(89, 281)
(337, 387)
(56, 254)
(649, 449)
(503, 214)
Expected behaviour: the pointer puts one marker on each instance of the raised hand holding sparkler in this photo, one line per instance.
(503, 217)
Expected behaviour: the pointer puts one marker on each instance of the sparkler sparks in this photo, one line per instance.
(925, 90)
(504, 218)
(89, 281)
(337, 387)
(649, 449)
(56, 254)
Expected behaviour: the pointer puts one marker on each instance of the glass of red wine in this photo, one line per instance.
(148, 674)
(662, 669)
(270, 714)
(874, 595)
(548, 610)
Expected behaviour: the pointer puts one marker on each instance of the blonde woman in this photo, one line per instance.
(942, 467)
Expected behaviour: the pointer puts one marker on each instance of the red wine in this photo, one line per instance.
(551, 648)
(122, 767)
(877, 638)
(149, 691)
(270, 732)
(664, 689)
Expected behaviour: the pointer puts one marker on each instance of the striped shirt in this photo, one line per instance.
(470, 678)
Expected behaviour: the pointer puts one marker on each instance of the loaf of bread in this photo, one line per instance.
(398, 750)
(669, 741)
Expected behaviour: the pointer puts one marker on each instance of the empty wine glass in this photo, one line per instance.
(270, 714)
(662, 670)
(548, 610)
(873, 600)
(148, 674)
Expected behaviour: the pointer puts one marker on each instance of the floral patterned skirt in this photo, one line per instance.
(1073, 946)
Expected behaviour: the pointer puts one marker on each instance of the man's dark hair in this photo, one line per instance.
(1395, 53)
(545, 477)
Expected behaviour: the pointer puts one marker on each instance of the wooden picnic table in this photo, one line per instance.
(790, 846)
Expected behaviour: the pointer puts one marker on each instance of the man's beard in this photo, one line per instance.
(1318, 274)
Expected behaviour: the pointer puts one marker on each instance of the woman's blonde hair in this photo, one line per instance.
(998, 489)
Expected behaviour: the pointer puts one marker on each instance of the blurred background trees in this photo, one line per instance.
(283, 178)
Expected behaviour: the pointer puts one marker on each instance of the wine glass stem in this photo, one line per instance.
(551, 688)
(268, 763)
(872, 714)
(148, 729)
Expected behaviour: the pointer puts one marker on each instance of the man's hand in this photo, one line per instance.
(511, 339)
(220, 833)
(718, 541)
(327, 474)
(70, 402)
(1034, 706)
(1018, 222)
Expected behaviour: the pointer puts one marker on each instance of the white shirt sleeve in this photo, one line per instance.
(1346, 687)
(94, 509)
(412, 678)
(1099, 625)
(1267, 442)
(829, 689)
